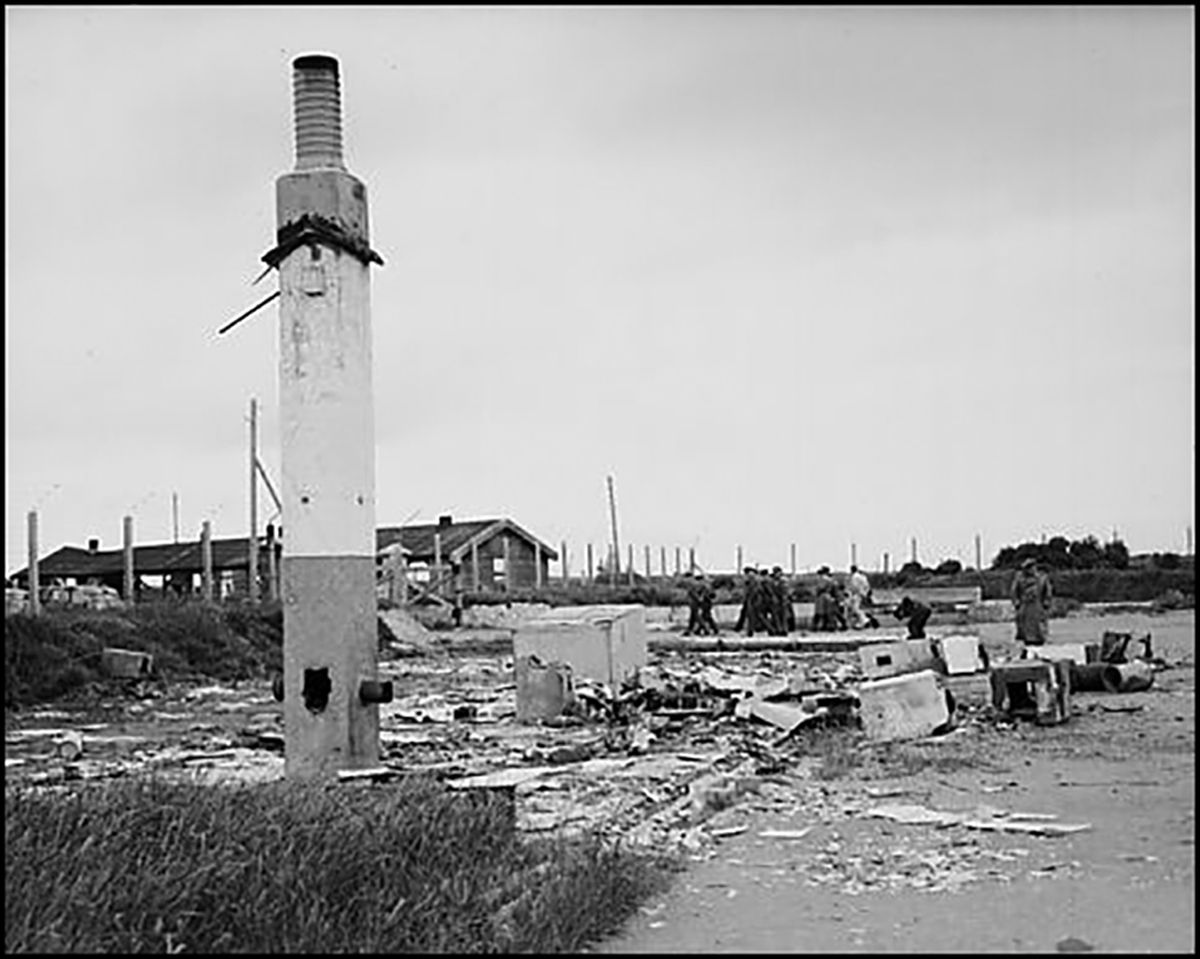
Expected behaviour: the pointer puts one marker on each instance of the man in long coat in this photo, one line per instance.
(1031, 601)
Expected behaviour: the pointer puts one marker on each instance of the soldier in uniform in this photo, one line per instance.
(707, 596)
(916, 613)
(1031, 601)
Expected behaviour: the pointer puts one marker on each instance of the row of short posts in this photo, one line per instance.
(207, 580)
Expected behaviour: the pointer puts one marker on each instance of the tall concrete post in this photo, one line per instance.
(127, 529)
(327, 443)
(252, 556)
(35, 584)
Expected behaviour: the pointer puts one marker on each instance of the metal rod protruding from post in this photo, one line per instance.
(318, 112)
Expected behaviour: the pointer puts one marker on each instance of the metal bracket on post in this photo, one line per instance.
(375, 691)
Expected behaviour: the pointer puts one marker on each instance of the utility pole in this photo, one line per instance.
(616, 544)
(885, 564)
(252, 568)
(565, 575)
(662, 560)
(978, 553)
(175, 515)
(691, 559)
(647, 563)
(738, 569)
(793, 559)
(678, 562)
(914, 549)
(331, 691)
(591, 568)
(853, 554)
(34, 583)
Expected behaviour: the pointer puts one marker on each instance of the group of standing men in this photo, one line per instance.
(766, 603)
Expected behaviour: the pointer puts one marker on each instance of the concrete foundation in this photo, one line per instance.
(603, 643)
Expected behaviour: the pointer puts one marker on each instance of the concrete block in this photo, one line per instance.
(881, 660)
(603, 643)
(902, 707)
(1034, 689)
(126, 663)
(972, 691)
(1075, 652)
(544, 690)
(962, 655)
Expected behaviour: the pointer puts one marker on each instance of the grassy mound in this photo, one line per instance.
(58, 652)
(152, 866)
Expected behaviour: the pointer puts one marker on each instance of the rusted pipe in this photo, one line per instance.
(1088, 678)
(1128, 677)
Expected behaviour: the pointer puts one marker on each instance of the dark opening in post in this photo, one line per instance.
(317, 687)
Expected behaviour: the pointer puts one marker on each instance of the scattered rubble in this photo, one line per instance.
(665, 751)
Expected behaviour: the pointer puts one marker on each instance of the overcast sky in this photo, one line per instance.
(789, 275)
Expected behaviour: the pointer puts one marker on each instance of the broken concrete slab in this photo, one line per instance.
(126, 663)
(882, 660)
(902, 707)
(962, 655)
(545, 690)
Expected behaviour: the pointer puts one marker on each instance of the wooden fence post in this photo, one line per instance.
(34, 581)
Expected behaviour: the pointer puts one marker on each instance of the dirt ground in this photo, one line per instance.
(839, 878)
(1126, 884)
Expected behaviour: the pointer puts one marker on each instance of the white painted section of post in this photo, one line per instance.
(252, 555)
(127, 529)
(206, 562)
(35, 582)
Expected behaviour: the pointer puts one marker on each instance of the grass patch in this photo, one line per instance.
(58, 652)
(286, 867)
